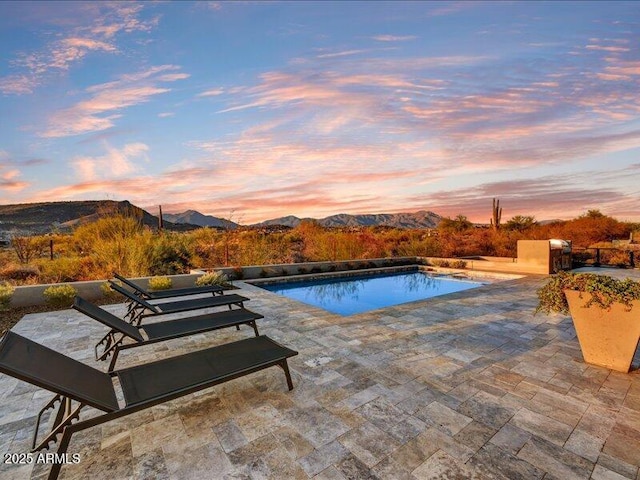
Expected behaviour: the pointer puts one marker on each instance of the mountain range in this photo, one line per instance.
(421, 219)
(40, 218)
(196, 218)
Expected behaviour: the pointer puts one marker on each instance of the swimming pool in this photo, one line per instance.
(351, 295)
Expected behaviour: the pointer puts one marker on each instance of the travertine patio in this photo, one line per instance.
(471, 385)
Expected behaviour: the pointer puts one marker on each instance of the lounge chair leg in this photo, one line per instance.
(238, 327)
(62, 449)
(255, 327)
(285, 366)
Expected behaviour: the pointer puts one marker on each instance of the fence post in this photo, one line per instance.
(597, 262)
(631, 259)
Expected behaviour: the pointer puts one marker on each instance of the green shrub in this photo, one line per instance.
(159, 283)
(441, 263)
(6, 292)
(604, 291)
(213, 278)
(65, 269)
(59, 295)
(170, 256)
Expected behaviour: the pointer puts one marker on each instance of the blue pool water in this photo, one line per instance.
(350, 295)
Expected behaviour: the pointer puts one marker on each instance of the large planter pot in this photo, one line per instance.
(608, 338)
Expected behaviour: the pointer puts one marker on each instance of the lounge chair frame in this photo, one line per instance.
(138, 308)
(170, 293)
(31, 362)
(114, 341)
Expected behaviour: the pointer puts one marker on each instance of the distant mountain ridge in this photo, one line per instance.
(41, 218)
(196, 218)
(45, 217)
(420, 219)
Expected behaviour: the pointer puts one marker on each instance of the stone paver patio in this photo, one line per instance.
(470, 385)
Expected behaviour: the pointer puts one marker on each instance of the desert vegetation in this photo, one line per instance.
(122, 243)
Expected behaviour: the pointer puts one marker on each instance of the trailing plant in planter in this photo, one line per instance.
(605, 314)
(604, 291)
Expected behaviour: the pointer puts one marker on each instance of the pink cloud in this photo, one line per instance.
(106, 101)
(212, 92)
(115, 163)
(16, 84)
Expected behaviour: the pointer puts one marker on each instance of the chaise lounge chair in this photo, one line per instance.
(113, 342)
(142, 386)
(140, 308)
(170, 293)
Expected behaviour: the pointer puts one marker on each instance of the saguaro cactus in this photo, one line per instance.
(497, 214)
(160, 220)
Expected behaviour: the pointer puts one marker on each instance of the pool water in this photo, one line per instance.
(350, 295)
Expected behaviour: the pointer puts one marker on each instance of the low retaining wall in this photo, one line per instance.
(32, 294)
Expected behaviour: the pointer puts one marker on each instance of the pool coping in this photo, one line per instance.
(470, 274)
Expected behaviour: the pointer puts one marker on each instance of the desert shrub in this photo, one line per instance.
(6, 293)
(316, 270)
(619, 258)
(441, 263)
(159, 283)
(59, 296)
(213, 278)
(21, 274)
(458, 264)
(28, 248)
(66, 269)
(116, 243)
(169, 256)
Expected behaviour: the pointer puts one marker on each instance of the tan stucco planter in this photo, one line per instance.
(608, 338)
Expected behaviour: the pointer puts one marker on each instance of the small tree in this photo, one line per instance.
(26, 248)
(520, 223)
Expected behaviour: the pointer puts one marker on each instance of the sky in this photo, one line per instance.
(256, 110)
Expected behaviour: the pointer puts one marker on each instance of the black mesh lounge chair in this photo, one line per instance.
(171, 293)
(140, 308)
(77, 385)
(114, 341)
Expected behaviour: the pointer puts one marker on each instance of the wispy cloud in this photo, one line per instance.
(344, 53)
(96, 32)
(107, 100)
(115, 163)
(394, 38)
(546, 197)
(214, 92)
